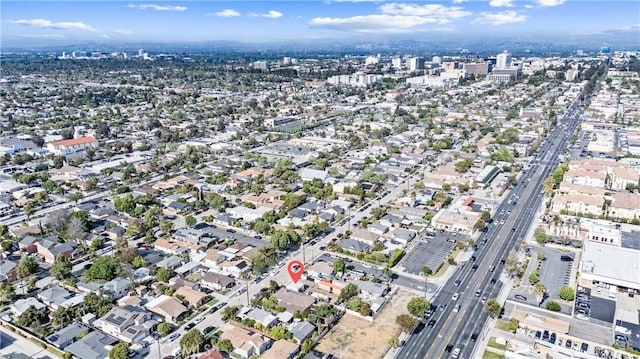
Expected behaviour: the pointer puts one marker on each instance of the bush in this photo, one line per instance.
(567, 293)
(395, 257)
(553, 306)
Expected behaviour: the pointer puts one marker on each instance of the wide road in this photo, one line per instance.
(510, 223)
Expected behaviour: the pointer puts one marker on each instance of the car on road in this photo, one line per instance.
(520, 297)
(456, 353)
(208, 330)
(493, 281)
(198, 320)
(568, 344)
(474, 336)
(473, 258)
(429, 312)
(483, 300)
(189, 326)
(455, 296)
(431, 323)
(456, 309)
(456, 282)
(474, 267)
(173, 337)
(448, 348)
(492, 268)
(478, 292)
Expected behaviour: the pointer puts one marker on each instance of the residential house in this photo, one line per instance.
(455, 221)
(294, 301)
(577, 203)
(364, 236)
(56, 297)
(8, 271)
(129, 324)
(402, 235)
(212, 354)
(301, 330)
(49, 249)
(217, 281)
(172, 262)
(175, 246)
(194, 297)
(309, 174)
(281, 349)
(235, 268)
(371, 290)
(95, 345)
(625, 205)
(320, 270)
(351, 244)
(261, 316)
(571, 188)
(167, 307)
(246, 342)
(378, 228)
(213, 258)
(67, 335)
(21, 305)
(117, 288)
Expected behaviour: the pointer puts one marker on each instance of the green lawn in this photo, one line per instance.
(494, 344)
(491, 355)
(212, 302)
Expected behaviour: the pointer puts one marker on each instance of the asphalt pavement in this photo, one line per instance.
(456, 329)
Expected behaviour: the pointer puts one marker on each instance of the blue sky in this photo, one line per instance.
(259, 21)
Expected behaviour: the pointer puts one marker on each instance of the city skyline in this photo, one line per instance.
(68, 22)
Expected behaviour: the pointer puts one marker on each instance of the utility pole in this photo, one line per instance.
(247, 292)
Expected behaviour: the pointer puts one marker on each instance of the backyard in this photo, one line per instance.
(356, 338)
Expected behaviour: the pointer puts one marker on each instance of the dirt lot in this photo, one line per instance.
(361, 339)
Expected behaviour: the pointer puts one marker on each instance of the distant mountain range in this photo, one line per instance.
(532, 44)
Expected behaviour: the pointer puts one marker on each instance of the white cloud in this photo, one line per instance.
(157, 7)
(272, 14)
(549, 3)
(379, 23)
(41, 36)
(227, 13)
(123, 32)
(48, 24)
(499, 18)
(440, 13)
(528, 6)
(501, 3)
(355, 0)
(459, 1)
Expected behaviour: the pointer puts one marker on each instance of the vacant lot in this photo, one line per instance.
(357, 338)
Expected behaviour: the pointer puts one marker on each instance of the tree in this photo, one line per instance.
(104, 268)
(76, 230)
(541, 256)
(225, 345)
(164, 328)
(513, 324)
(139, 262)
(164, 274)
(61, 268)
(406, 322)
(553, 306)
(418, 306)
(567, 293)
(229, 312)
(493, 308)
(7, 291)
(190, 221)
(350, 290)
(63, 316)
(119, 351)
(339, 266)
(191, 342)
(26, 267)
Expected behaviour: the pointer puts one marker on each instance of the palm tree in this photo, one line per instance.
(426, 271)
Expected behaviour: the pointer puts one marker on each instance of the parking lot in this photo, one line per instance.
(594, 307)
(556, 270)
(430, 252)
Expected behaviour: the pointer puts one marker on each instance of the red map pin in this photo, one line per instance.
(295, 269)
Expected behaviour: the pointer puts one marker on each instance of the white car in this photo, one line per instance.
(198, 320)
(455, 296)
(455, 353)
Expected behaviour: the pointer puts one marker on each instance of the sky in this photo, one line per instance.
(27, 22)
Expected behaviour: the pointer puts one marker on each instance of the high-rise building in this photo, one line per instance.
(396, 62)
(415, 63)
(503, 61)
(141, 52)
